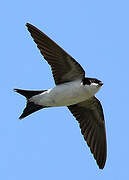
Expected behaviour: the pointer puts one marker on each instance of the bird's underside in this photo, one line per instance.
(88, 113)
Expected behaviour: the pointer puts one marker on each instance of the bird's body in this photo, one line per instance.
(73, 90)
(65, 94)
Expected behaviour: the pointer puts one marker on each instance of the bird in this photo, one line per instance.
(73, 90)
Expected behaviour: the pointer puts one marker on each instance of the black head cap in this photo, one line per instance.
(88, 81)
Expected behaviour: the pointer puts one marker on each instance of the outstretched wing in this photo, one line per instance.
(91, 119)
(64, 67)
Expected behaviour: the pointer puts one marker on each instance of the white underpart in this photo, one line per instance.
(66, 94)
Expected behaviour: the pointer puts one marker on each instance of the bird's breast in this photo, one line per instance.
(64, 95)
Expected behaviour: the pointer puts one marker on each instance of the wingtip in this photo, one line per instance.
(28, 25)
(101, 163)
(101, 166)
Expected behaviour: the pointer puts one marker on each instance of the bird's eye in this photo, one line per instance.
(86, 81)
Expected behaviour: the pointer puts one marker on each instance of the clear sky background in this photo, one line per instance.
(48, 144)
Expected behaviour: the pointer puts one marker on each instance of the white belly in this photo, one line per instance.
(64, 95)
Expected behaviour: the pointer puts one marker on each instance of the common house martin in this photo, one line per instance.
(73, 90)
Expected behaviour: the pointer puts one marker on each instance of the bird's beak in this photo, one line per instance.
(100, 83)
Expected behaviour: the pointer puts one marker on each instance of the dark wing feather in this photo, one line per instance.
(64, 67)
(91, 119)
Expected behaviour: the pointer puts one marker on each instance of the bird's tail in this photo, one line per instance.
(31, 107)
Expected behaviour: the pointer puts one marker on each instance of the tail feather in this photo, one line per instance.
(31, 107)
(29, 93)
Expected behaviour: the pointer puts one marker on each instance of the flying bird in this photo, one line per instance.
(73, 90)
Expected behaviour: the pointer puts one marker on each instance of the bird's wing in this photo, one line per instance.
(64, 67)
(91, 119)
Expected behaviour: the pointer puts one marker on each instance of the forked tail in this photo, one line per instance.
(31, 107)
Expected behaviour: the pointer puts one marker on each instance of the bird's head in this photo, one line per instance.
(92, 84)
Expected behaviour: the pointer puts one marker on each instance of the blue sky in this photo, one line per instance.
(48, 144)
